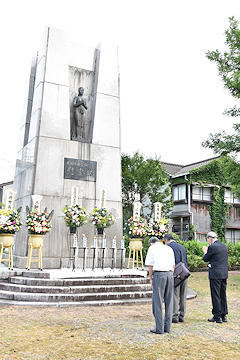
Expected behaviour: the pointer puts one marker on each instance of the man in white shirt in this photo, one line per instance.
(161, 262)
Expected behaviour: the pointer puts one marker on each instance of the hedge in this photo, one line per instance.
(195, 252)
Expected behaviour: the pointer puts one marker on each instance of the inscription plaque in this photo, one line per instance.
(77, 169)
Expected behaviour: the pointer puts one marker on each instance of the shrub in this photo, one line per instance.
(233, 261)
(195, 261)
(236, 249)
(233, 254)
(176, 238)
(193, 247)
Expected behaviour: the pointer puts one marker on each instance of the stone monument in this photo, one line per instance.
(69, 142)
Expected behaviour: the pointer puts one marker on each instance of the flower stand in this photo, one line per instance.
(6, 242)
(35, 242)
(135, 246)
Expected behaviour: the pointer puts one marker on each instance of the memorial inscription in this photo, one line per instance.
(77, 169)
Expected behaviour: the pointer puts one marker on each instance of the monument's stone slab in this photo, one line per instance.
(69, 138)
(77, 169)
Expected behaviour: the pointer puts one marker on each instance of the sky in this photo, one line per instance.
(171, 96)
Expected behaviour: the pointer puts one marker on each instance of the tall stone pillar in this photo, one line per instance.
(53, 157)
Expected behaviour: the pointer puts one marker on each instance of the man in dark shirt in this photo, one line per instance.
(217, 254)
(180, 291)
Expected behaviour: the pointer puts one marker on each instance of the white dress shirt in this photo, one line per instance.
(161, 257)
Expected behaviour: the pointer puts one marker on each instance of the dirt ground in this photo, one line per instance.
(122, 332)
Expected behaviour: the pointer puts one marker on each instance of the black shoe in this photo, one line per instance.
(175, 321)
(224, 318)
(154, 331)
(218, 321)
(181, 320)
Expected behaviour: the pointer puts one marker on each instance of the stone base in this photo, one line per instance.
(20, 262)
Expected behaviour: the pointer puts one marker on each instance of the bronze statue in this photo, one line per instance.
(80, 107)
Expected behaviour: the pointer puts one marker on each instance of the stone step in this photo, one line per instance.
(4, 294)
(20, 280)
(41, 297)
(140, 301)
(37, 288)
(78, 281)
(74, 289)
(36, 274)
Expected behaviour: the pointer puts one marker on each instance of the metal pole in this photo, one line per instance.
(74, 256)
(84, 258)
(103, 249)
(113, 249)
(93, 258)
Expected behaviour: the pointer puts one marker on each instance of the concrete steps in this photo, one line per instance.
(38, 289)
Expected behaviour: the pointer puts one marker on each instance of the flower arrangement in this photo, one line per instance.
(75, 216)
(10, 221)
(158, 228)
(102, 218)
(38, 223)
(137, 228)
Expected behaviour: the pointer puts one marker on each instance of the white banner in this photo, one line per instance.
(136, 211)
(74, 196)
(37, 202)
(157, 211)
(103, 199)
(10, 197)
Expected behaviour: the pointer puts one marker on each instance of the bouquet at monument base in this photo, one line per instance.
(38, 223)
(158, 228)
(102, 218)
(137, 228)
(75, 216)
(10, 221)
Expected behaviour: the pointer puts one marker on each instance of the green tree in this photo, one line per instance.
(232, 171)
(228, 64)
(146, 179)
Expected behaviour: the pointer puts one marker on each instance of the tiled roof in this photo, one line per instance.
(177, 170)
(171, 169)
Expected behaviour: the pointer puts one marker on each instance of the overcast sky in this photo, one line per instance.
(171, 94)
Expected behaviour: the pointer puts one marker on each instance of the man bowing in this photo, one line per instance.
(217, 254)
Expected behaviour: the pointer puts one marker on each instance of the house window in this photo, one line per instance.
(232, 235)
(179, 192)
(230, 198)
(201, 193)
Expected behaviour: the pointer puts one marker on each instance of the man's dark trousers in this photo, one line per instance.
(219, 298)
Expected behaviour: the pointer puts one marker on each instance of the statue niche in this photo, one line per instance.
(79, 130)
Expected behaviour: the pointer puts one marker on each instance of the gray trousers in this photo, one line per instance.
(179, 300)
(162, 291)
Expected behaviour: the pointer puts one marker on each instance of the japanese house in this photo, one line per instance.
(190, 217)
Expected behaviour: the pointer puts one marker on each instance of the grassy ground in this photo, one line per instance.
(122, 332)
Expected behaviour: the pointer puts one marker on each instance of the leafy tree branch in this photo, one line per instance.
(147, 180)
